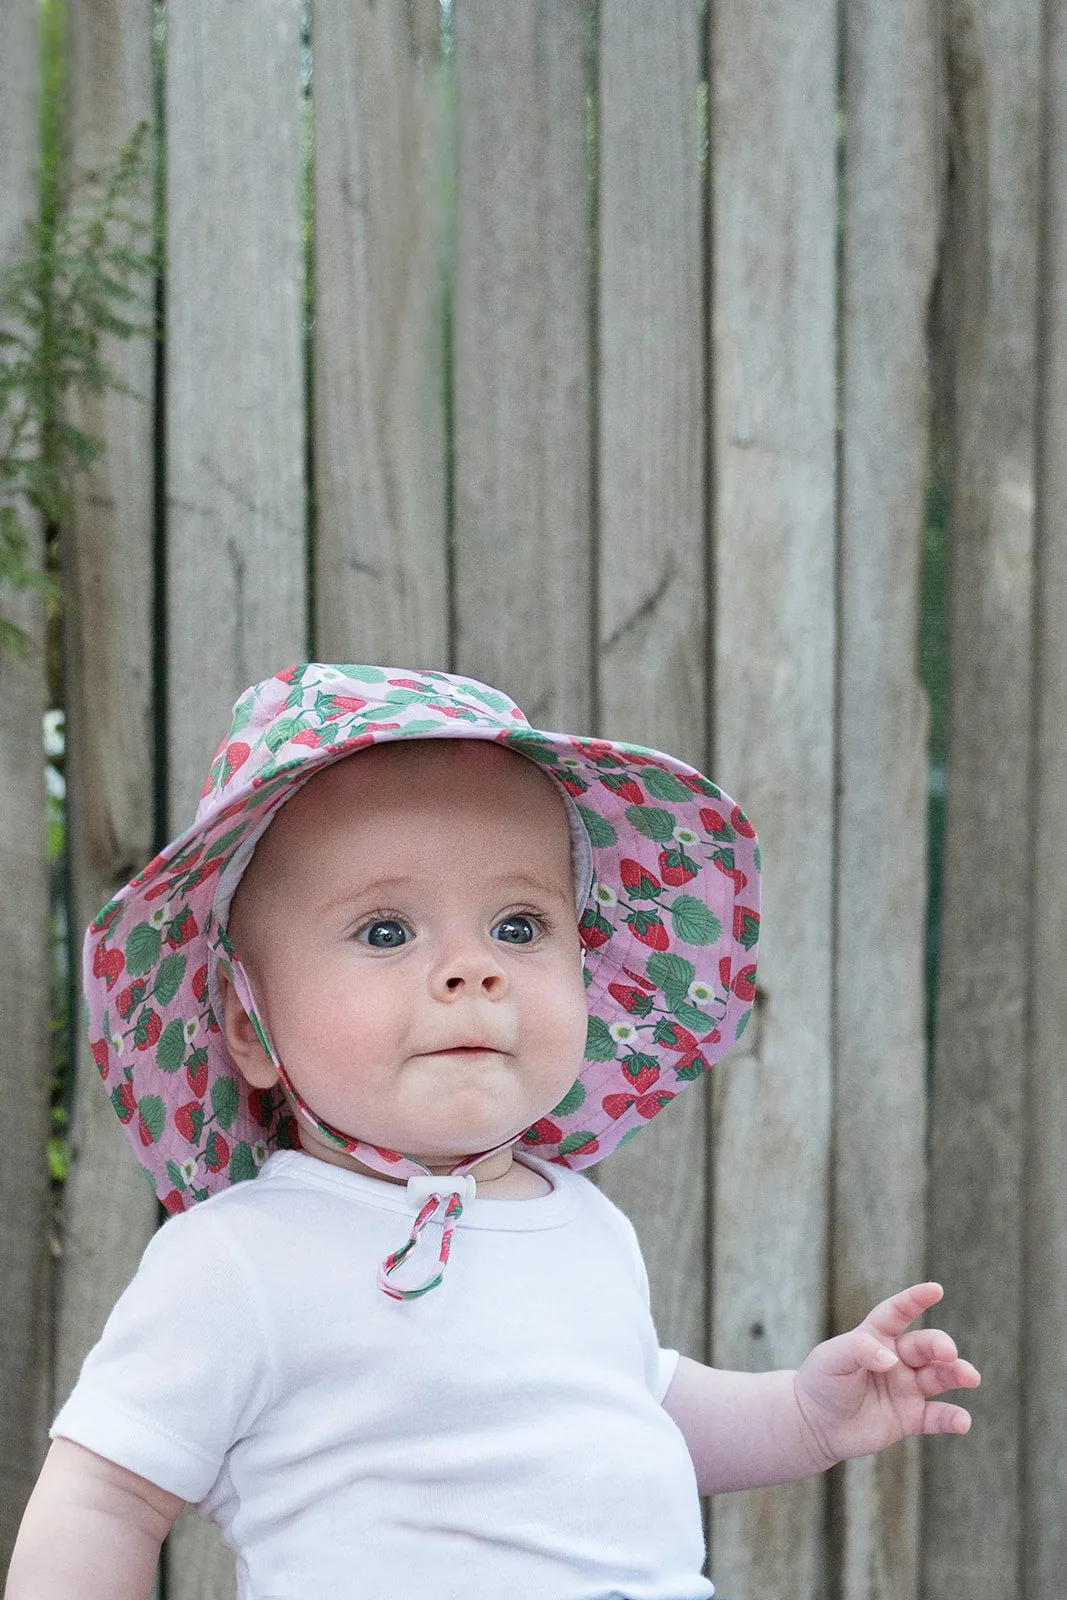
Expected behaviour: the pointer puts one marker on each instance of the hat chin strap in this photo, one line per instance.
(446, 1192)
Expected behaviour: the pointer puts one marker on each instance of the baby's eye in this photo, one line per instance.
(385, 934)
(516, 929)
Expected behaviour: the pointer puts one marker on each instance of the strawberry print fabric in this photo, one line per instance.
(670, 927)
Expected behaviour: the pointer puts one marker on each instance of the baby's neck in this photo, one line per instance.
(498, 1177)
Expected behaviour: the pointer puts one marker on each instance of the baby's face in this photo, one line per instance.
(408, 922)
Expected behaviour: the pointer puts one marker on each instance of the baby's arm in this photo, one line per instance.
(91, 1531)
(852, 1396)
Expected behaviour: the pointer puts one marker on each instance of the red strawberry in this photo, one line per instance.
(593, 930)
(236, 756)
(144, 1130)
(200, 982)
(306, 736)
(715, 823)
(261, 1105)
(626, 789)
(182, 929)
(130, 997)
(287, 674)
(206, 870)
(725, 964)
(105, 919)
(99, 1047)
(218, 1153)
(638, 977)
(597, 749)
(649, 1104)
(675, 1037)
(149, 1028)
(344, 705)
(184, 1121)
(617, 1105)
(746, 925)
(676, 867)
(545, 1131)
(174, 1202)
(632, 999)
(742, 824)
(124, 1102)
(734, 873)
(196, 1073)
(386, 1155)
(574, 787)
(650, 931)
(744, 985)
(634, 875)
(409, 683)
(642, 1078)
(108, 964)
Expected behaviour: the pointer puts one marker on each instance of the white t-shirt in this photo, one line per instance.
(501, 1438)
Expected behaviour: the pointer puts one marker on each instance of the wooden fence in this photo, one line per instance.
(649, 452)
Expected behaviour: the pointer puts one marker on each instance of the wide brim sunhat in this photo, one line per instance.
(669, 922)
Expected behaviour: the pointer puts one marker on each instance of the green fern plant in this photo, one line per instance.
(88, 274)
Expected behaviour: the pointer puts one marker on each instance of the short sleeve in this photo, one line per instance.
(181, 1369)
(668, 1366)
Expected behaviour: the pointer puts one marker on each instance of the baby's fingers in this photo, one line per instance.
(925, 1347)
(941, 1416)
(939, 1377)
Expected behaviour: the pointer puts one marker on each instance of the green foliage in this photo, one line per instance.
(86, 276)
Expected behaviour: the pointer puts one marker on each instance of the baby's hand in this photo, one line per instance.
(868, 1388)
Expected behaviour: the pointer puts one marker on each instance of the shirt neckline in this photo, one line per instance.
(513, 1216)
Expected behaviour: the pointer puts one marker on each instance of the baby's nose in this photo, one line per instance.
(470, 968)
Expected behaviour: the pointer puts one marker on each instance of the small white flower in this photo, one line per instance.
(685, 836)
(188, 1170)
(605, 895)
(259, 1152)
(191, 1027)
(622, 1032)
(159, 916)
(116, 1042)
(699, 993)
(328, 674)
(570, 761)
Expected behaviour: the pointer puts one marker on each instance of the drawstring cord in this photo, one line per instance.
(433, 1191)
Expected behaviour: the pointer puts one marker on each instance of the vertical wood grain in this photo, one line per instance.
(772, 118)
(109, 1212)
(235, 429)
(1044, 1350)
(890, 236)
(978, 1113)
(522, 357)
(381, 171)
(236, 544)
(25, 1066)
(651, 526)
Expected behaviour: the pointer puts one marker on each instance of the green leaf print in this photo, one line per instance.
(574, 1142)
(490, 698)
(220, 846)
(599, 1045)
(652, 822)
(693, 1018)
(171, 1047)
(174, 1173)
(673, 974)
(153, 1115)
(224, 1101)
(693, 922)
(571, 1101)
(242, 1164)
(362, 674)
(743, 1024)
(281, 732)
(665, 786)
(169, 977)
(601, 833)
(142, 948)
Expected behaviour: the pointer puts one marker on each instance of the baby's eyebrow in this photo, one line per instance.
(511, 885)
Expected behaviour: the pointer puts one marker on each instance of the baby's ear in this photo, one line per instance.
(242, 1040)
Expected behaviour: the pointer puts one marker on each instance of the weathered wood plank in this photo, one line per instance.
(890, 232)
(522, 357)
(381, 170)
(25, 1066)
(651, 525)
(772, 114)
(236, 535)
(978, 1144)
(108, 1210)
(1044, 1350)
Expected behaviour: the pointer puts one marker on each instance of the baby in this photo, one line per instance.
(413, 966)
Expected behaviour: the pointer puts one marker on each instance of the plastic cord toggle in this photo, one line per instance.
(449, 1192)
